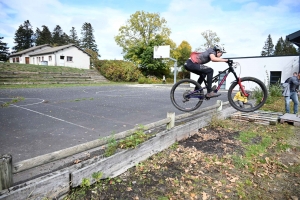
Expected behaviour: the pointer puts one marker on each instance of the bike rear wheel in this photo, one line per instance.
(257, 91)
(184, 97)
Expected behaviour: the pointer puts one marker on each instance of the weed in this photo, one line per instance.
(112, 146)
(14, 100)
(97, 176)
(85, 183)
(217, 122)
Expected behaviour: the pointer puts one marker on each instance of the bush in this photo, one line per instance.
(118, 70)
(142, 80)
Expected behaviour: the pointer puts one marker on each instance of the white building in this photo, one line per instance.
(68, 55)
(266, 68)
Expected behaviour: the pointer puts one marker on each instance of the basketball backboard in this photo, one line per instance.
(161, 51)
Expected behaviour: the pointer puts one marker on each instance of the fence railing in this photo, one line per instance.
(76, 172)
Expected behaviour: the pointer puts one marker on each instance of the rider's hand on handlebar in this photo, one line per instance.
(230, 62)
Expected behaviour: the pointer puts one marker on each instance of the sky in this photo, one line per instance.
(243, 26)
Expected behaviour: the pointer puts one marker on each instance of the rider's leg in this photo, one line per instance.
(207, 71)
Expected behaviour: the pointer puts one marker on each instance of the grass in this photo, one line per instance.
(14, 67)
(188, 173)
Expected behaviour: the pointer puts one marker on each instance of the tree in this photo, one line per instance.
(3, 50)
(279, 47)
(181, 54)
(138, 37)
(59, 37)
(88, 39)
(284, 48)
(268, 49)
(73, 38)
(211, 39)
(24, 37)
(43, 37)
(94, 57)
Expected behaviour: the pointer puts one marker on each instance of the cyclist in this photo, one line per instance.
(196, 65)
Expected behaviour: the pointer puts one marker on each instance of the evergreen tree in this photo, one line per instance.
(284, 48)
(24, 37)
(3, 50)
(73, 38)
(59, 37)
(279, 47)
(288, 48)
(87, 38)
(268, 49)
(43, 37)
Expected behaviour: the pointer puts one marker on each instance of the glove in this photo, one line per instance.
(230, 62)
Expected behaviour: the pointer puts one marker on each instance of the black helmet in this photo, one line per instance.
(219, 47)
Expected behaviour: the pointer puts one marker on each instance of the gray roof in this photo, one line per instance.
(55, 49)
(294, 38)
(29, 50)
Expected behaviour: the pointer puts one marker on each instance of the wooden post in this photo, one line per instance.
(220, 103)
(171, 124)
(6, 180)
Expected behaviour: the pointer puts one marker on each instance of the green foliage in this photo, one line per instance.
(111, 147)
(59, 38)
(284, 48)
(138, 37)
(268, 49)
(43, 37)
(131, 141)
(85, 183)
(14, 100)
(97, 176)
(181, 54)
(118, 70)
(88, 39)
(4, 50)
(23, 37)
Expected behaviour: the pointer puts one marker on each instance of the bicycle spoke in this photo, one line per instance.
(254, 88)
(184, 96)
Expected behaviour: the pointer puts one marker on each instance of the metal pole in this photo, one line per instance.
(175, 68)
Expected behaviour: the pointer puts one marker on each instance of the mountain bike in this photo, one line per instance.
(188, 95)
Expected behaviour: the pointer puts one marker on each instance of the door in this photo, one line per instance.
(26, 60)
(62, 61)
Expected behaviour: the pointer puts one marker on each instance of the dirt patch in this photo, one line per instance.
(208, 165)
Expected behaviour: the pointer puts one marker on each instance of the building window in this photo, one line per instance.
(14, 60)
(69, 58)
(39, 59)
(275, 77)
(50, 58)
(42, 58)
(62, 57)
(17, 59)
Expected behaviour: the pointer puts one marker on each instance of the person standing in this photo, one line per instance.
(293, 83)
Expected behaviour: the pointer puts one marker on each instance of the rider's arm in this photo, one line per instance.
(216, 59)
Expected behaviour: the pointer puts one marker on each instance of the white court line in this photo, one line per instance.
(52, 117)
(42, 100)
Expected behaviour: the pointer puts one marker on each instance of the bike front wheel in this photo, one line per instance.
(186, 95)
(257, 95)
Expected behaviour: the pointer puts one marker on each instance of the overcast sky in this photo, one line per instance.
(242, 25)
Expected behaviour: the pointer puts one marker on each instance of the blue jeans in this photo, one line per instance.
(294, 97)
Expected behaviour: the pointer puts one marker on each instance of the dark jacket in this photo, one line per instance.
(294, 83)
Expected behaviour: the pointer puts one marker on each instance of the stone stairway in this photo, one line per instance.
(89, 76)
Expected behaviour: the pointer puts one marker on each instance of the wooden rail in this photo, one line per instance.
(56, 184)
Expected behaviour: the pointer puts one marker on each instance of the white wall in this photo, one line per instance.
(258, 67)
(80, 59)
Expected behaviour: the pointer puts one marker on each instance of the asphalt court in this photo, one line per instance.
(51, 119)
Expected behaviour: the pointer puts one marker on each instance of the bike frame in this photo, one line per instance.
(227, 71)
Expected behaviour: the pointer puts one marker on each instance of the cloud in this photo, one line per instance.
(242, 25)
